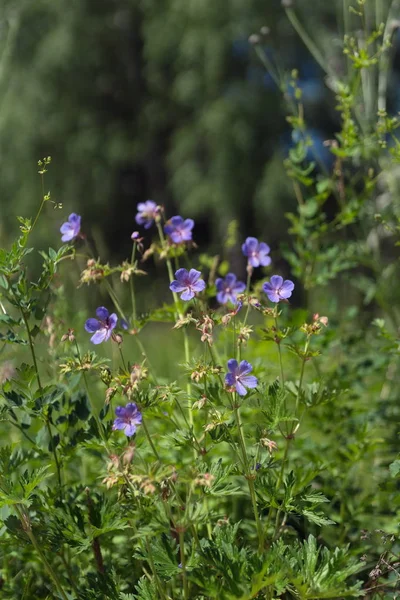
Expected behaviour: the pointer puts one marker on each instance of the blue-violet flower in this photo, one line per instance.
(256, 252)
(277, 289)
(102, 327)
(239, 377)
(147, 212)
(187, 282)
(179, 230)
(127, 418)
(71, 228)
(228, 288)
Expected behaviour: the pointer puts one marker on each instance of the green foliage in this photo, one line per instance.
(288, 490)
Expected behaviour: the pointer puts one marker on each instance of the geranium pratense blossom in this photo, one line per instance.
(179, 230)
(127, 418)
(147, 212)
(228, 288)
(71, 228)
(187, 283)
(102, 327)
(256, 252)
(239, 377)
(277, 289)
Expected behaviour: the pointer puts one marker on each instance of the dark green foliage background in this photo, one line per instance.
(148, 98)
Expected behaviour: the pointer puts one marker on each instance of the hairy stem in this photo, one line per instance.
(27, 527)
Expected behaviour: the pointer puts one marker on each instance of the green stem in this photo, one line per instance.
(122, 358)
(138, 341)
(308, 42)
(183, 563)
(132, 285)
(154, 571)
(150, 440)
(41, 204)
(35, 364)
(303, 363)
(249, 477)
(180, 315)
(278, 484)
(26, 525)
(280, 354)
(92, 406)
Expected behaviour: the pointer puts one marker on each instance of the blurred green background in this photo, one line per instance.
(161, 99)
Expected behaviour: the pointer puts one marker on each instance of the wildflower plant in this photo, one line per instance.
(257, 464)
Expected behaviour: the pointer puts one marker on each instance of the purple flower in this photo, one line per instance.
(277, 289)
(128, 418)
(256, 252)
(187, 282)
(179, 230)
(147, 212)
(228, 289)
(125, 324)
(239, 377)
(71, 228)
(101, 327)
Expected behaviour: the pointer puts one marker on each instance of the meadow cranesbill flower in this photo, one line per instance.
(71, 228)
(228, 288)
(239, 377)
(277, 289)
(147, 212)
(179, 230)
(101, 327)
(127, 418)
(256, 252)
(187, 282)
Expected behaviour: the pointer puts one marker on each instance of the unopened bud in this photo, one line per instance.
(254, 39)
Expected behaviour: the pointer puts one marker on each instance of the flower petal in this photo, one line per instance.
(230, 379)
(194, 275)
(239, 287)
(112, 321)
(187, 294)
(120, 411)
(182, 276)
(177, 287)
(249, 381)
(188, 224)
(276, 281)
(119, 424)
(130, 429)
(263, 248)
(232, 365)
(92, 325)
(287, 286)
(244, 368)
(176, 221)
(199, 285)
(241, 390)
(100, 336)
(265, 260)
(102, 313)
(131, 409)
(251, 245)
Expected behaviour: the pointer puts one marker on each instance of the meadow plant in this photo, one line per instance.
(261, 463)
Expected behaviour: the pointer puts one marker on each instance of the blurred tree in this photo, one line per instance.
(148, 98)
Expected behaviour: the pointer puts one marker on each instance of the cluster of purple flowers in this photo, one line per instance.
(187, 284)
